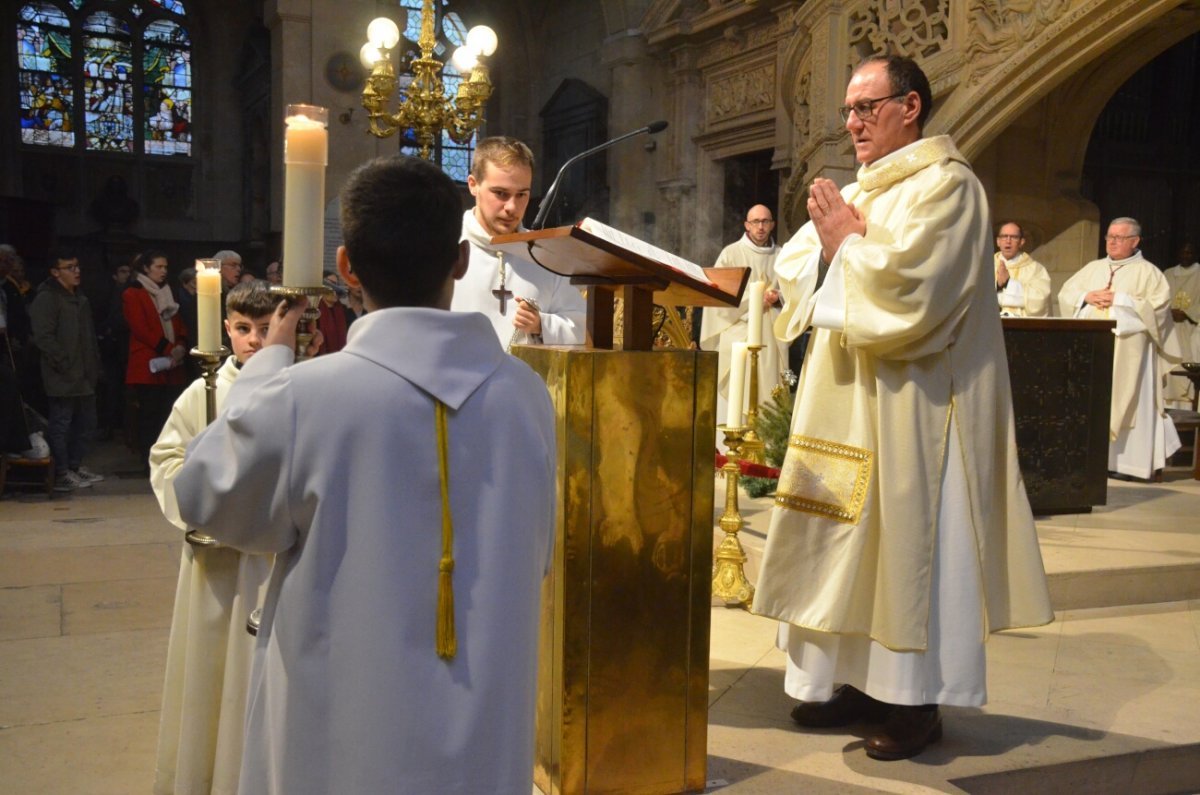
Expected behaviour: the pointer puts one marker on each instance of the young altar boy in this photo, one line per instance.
(406, 486)
(209, 653)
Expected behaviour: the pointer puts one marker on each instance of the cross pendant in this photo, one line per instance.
(502, 295)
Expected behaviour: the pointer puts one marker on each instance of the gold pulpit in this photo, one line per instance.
(623, 671)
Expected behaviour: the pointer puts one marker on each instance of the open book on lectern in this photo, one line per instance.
(592, 253)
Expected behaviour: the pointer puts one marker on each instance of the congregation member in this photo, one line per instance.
(275, 272)
(113, 337)
(720, 327)
(397, 650)
(901, 533)
(524, 302)
(65, 336)
(158, 344)
(1184, 281)
(1126, 287)
(1022, 283)
(231, 269)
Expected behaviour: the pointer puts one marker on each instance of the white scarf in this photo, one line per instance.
(746, 241)
(473, 230)
(164, 302)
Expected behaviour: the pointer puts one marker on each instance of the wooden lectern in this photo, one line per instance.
(623, 671)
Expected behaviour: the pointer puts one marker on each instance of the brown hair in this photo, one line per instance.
(503, 152)
(252, 299)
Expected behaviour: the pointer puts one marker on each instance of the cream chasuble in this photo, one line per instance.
(333, 465)
(865, 491)
(494, 281)
(209, 652)
(1028, 291)
(1141, 437)
(1185, 295)
(721, 327)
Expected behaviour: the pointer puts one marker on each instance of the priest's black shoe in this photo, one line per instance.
(847, 705)
(906, 733)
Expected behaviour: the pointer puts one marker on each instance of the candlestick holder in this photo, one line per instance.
(729, 575)
(753, 448)
(210, 363)
(308, 323)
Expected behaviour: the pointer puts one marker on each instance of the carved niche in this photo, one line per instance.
(916, 28)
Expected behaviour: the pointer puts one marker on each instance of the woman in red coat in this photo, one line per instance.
(157, 345)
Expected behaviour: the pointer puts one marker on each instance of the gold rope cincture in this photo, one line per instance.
(447, 641)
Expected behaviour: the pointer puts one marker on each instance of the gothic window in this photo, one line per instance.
(454, 158)
(118, 72)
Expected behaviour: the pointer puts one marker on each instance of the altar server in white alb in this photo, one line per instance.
(209, 653)
(398, 644)
(1022, 283)
(721, 327)
(1184, 279)
(901, 534)
(1127, 288)
(525, 303)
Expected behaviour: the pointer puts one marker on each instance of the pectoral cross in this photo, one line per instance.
(501, 294)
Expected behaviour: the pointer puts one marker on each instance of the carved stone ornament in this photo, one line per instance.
(916, 28)
(741, 93)
(998, 28)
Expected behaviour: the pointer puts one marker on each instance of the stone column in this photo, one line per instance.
(635, 101)
(290, 23)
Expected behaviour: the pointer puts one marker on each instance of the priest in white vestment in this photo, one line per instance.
(524, 302)
(901, 534)
(720, 327)
(1127, 288)
(407, 491)
(1184, 280)
(1022, 283)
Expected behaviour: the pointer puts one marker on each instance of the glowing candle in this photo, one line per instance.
(755, 289)
(305, 155)
(737, 386)
(208, 304)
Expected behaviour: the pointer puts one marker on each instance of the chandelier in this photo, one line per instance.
(423, 105)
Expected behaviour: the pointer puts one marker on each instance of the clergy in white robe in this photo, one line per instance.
(901, 533)
(1184, 281)
(524, 302)
(1022, 283)
(386, 477)
(720, 327)
(209, 651)
(1127, 288)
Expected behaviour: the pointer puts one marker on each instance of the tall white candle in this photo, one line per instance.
(208, 304)
(305, 155)
(737, 386)
(755, 289)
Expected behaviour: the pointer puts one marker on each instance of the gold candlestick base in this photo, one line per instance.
(308, 323)
(753, 448)
(729, 581)
(210, 363)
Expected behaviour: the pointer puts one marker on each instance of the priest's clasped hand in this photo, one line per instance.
(834, 219)
(528, 318)
(1101, 299)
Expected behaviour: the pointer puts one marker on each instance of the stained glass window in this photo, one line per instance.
(128, 87)
(455, 159)
(44, 81)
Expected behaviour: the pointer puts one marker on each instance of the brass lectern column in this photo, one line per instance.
(623, 675)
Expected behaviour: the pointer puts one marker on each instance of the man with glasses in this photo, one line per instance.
(66, 338)
(901, 534)
(1129, 289)
(721, 327)
(1022, 283)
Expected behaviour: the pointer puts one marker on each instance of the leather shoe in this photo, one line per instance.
(847, 705)
(906, 733)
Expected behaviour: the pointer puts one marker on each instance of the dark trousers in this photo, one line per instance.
(154, 407)
(72, 426)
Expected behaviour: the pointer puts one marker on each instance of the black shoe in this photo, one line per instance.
(906, 733)
(848, 705)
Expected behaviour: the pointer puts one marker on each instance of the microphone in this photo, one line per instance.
(547, 200)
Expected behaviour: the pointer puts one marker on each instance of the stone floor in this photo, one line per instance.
(1103, 700)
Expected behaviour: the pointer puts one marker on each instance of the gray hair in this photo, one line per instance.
(1133, 224)
(187, 275)
(226, 253)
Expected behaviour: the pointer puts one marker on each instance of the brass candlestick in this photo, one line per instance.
(308, 323)
(753, 448)
(210, 363)
(729, 576)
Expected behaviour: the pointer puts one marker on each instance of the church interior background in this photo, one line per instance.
(1072, 112)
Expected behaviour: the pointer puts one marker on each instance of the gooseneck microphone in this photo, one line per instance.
(547, 200)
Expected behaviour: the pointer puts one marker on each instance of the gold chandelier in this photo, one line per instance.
(423, 105)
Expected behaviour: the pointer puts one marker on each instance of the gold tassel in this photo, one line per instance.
(447, 641)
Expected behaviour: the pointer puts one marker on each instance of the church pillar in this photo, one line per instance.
(680, 173)
(635, 102)
(290, 23)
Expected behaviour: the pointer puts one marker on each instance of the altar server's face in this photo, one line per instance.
(246, 334)
(501, 197)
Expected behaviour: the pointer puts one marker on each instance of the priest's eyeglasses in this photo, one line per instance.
(1115, 238)
(864, 109)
